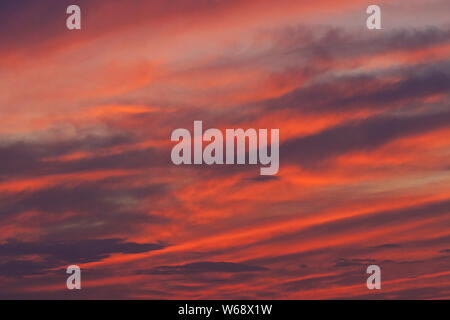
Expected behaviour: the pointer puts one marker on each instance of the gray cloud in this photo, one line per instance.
(56, 254)
(202, 267)
(364, 135)
(362, 90)
(26, 159)
(81, 251)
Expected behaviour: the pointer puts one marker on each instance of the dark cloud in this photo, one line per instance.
(364, 135)
(18, 268)
(78, 251)
(87, 210)
(328, 281)
(262, 178)
(202, 267)
(387, 246)
(85, 198)
(333, 42)
(23, 158)
(422, 293)
(345, 226)
(403, 39)
(146, 158)
(54, 254)
(355, 262)
(81, 198)
(367, 91)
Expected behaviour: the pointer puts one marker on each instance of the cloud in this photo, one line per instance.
(55, 254)
(363, 135)
(367, 91)
(96, 197)
(320, 281)
(25, 158)
(72, 210)
(262, 178)
(18, 268)
(328, 234)
(77, 251)
(114, 92)
(329, 42)
(343, 262)
(204, 267)
(387, 246)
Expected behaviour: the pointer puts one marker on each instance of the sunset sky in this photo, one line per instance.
(86, 176)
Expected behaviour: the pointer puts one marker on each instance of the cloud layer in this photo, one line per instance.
(85, 170)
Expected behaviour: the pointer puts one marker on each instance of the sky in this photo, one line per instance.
(86, 176)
